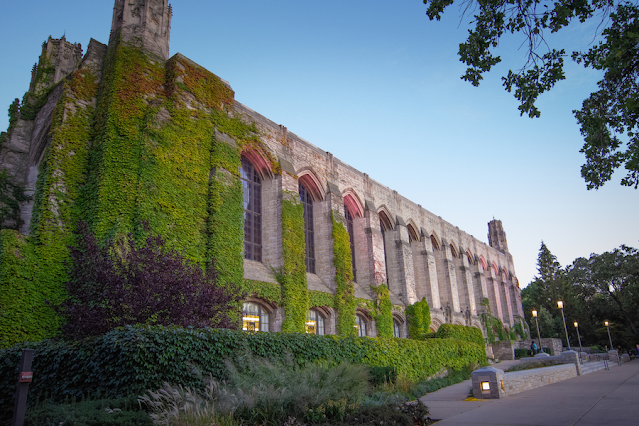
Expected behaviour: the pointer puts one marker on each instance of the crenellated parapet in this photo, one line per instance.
(144, 23)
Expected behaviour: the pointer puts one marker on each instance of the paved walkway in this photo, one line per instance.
(605, 397)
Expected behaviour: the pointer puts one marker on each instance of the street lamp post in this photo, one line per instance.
(534, 313)
(607, 324)
(560, 305)
(578, 337)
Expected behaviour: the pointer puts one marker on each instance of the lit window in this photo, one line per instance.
(252, 185)
(360, 324)
(351, 235)
(254, 318)
(314, 323)
(307, 202)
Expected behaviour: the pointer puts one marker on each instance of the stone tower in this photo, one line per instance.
(59, 58)
(497, 236)
(146, 23)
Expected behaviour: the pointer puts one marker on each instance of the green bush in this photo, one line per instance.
(381, 375)
(462, 332)
(418, 319)
(106, 412)
(130, 360)
(522, 353)
(263, 392)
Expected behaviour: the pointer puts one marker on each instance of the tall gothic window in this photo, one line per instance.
(351, 234)
(307, 202)
(252, 211)
(385, 226)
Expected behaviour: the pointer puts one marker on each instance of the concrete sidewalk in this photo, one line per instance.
(605, 397)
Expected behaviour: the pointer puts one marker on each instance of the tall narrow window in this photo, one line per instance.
(307, 202)
(351, 234)
(360, 324)
(385, 226)
(252, 211)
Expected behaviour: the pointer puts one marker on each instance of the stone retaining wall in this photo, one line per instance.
(521, 381)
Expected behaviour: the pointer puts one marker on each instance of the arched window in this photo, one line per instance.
(314, 323)
(252, 185)
(396, 328)
(385, 226)
(254, 317)
(412, 234)
(453, 251)
(433, 240)
(307, 202)
(360, 323)
(351, 234)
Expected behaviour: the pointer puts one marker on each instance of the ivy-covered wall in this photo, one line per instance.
(292, 277)
(345, 301)
(418, 315)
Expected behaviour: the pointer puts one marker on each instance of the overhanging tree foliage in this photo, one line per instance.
(607, 114)
(615, 275)
(127, 283)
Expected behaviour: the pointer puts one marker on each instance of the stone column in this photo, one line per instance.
(376, 270)
(468, 276)
(405, 262)
(451, 276)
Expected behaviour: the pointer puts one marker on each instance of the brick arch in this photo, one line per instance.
(260, 160)
(308, 178)
(353, 203)
(269, 306)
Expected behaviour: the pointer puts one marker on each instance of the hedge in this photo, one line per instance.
(462, 332)
(130, 360)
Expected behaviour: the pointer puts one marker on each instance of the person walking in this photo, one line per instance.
(533, 348)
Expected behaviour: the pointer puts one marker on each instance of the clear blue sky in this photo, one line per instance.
(377, 84)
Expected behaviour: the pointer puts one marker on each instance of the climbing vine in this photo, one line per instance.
(345, 292)
(383, 313)
(418, 315)
(292, 276)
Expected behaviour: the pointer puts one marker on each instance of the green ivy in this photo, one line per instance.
(292, 276)
(455, 331)
(320, 298)
(384, 311)
(418, 315)
(11, 196)
(345, 302)
(271, 292)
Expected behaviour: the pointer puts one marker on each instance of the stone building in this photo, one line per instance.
(69, 121)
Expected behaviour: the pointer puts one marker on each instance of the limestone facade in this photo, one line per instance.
(396, 240)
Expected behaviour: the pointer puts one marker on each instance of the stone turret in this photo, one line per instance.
(59, 58)
(497, 236)
(145, 23)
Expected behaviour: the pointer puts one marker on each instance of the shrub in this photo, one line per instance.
(462, 332)
(380, 375)
(265, 392)
(125, 283)
(106, 412)
(522, 353)
(418, 319)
